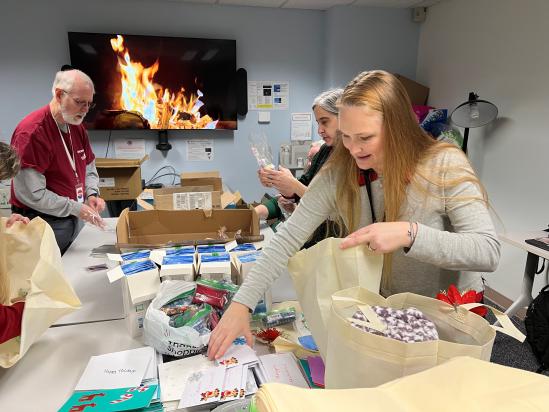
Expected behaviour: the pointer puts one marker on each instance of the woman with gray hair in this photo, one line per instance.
(291, 189)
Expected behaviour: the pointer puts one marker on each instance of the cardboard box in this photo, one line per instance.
(202, 179)
(161, 227)
(186, 198)
(119, 179)
(418, 93)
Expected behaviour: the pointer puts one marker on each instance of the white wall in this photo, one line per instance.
(272, 44)
(366, 38)
(498, 49)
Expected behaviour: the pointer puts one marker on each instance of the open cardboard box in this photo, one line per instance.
(163, 227)
(418, 93)
(119, 179)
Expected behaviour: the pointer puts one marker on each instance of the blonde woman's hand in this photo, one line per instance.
(234, 323)
(17, 218)
(384, 237)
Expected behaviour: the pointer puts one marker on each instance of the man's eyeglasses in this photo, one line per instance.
(80, 103)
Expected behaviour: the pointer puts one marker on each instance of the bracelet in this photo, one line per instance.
(412, 233)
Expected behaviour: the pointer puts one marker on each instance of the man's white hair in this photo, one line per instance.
(64, 80)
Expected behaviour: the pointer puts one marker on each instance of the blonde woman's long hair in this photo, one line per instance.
(405, 146)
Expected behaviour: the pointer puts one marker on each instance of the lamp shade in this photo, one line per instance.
(474, 113)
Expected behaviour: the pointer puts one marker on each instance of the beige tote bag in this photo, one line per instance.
(359, 359)
(322, 270)
(460, 385)
(30, 258)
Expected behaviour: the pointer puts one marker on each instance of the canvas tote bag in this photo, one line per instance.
(30, 257)
(462, 384)
(322, 270)
(359, 359)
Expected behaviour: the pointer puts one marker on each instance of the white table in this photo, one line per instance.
(46, 376)
(532, 260)
(100, 299)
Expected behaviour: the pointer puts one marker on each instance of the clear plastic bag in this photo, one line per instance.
(261, 149)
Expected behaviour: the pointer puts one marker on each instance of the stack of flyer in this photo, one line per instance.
(237, 374)
(119, 381)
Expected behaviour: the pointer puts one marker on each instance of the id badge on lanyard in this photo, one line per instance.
(79, 187)
(79, 192)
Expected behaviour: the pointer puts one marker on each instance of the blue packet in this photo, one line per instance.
(249, 257)
(245, 247)
(210, 248)
(133, 268)
(177, 259)
(181, 250)
(140, 254)
(215, 257)
(308, 342)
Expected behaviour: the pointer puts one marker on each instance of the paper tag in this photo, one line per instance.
(230, 245)
(106, 182)
(192, 200)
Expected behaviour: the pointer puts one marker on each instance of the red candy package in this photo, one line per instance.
(213, 292)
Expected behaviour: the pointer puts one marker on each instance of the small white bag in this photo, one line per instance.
(157, 332)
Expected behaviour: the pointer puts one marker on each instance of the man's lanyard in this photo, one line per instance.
(71, 158)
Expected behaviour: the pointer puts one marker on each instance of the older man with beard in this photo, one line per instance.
(58, 180)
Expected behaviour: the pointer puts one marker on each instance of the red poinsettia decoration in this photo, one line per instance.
(454, 298)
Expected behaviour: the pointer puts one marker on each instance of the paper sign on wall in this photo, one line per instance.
(268, 95)
(302, 125)
(129, 148)
(200, 150)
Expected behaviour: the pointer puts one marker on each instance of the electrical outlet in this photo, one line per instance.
(5, 198)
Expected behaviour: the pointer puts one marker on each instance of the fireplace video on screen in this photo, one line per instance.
(152, 82)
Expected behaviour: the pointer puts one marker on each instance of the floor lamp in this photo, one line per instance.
(473, 113)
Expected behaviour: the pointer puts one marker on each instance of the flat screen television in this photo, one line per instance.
(151, 82)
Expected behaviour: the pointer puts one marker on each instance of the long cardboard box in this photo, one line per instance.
(161, 227)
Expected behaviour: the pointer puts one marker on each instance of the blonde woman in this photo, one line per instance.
(10, 316)
(420, 205)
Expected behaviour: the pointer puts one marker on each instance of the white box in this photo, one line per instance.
(214, 266)
(135, 314)
(143, 285)
(176, 271)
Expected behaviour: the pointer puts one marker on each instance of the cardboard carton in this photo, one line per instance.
(418, 93)
(202, 179)
(162, 227)
(186, 198)
(119, 179)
